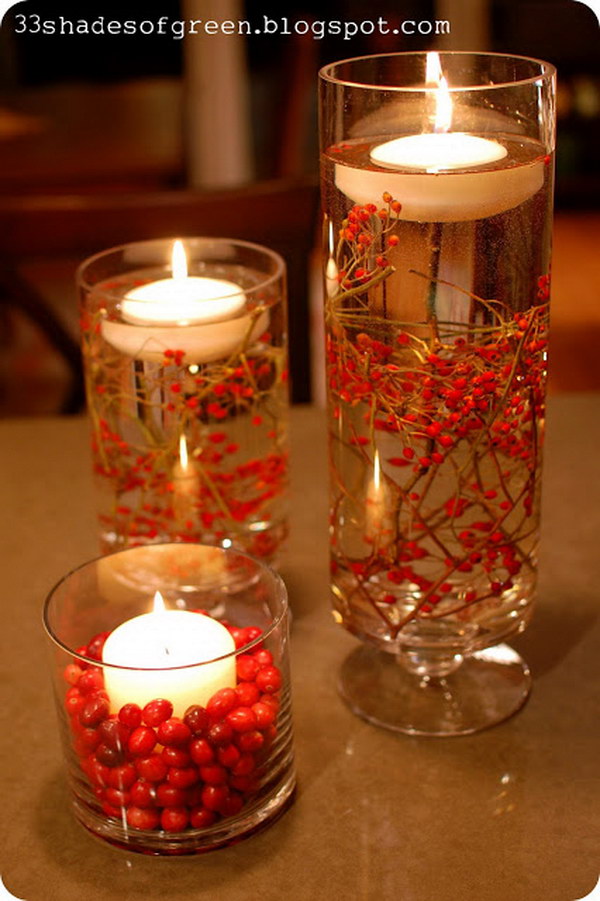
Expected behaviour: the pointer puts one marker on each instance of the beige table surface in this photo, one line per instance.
(509, 814)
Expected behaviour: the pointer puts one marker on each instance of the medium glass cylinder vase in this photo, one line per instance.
(185, 353)
(437, 179)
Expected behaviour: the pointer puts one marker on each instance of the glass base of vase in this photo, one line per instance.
(487, 688)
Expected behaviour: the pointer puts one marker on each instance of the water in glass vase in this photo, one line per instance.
(188, 443)
(437, 314)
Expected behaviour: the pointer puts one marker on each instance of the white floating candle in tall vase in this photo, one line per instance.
(206, 318)
(437, 174)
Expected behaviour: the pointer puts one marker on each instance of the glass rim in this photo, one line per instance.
(547, 72)
(280, 264)
(279, 585)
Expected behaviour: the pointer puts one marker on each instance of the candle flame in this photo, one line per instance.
(433, 68)
(179, 266)
(376, 473)
(158, 604)
(443, 102)
(183, 452)
(443, 107)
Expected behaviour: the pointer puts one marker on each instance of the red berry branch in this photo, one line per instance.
(231, 414)
(450, 415)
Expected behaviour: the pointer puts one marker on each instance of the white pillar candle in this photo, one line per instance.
(153, 656)
(430, 173)
(204, 317)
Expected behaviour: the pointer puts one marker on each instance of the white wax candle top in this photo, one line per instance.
(153, 646)
(191, 300)
(433, 151)
(167, 639)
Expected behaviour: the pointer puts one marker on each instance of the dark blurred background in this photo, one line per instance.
(85, 115)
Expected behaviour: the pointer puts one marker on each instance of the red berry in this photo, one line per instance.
(264, 713)
(221, 703)
(247, 668)
(89, 680)
(97, 772)
(242, 719)
(263, 657)
(93, 711)
(220, 734)
(142, 818)
(169, 795)
(173, 731)
(232, 804)
(247, 694)
(238, 635)
(182, 777)
(201, 752)
(94, 648)
(271, 701)
(113, 733)
(176, 757)
(87, 740)
(228, 756)
(141, 741)
(117, 798)
(110, 811)
(142, 794)
(122, 777)
(201, 817)
(71, 673)
(245, 784)
(108, 755)
(74, 702)
(250, 741)
(252, 633)
(157, 711)
(174, 819)
(130, 715)
(269, 679)
(244, 766)
(196, 719)
(213, 774)
(152, 769)
(214, 796)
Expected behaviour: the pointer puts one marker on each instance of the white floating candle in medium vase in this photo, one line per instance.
(153, 656)
(206, 318)
(431, 173)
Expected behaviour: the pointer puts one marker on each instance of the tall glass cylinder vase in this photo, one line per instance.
(437, 177)
(184, 345)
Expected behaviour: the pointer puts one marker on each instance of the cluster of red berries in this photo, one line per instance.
(163, 772)
(367, 234)
(481, 399)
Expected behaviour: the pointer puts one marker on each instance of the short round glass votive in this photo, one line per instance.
(185, 353)
(171, 677)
